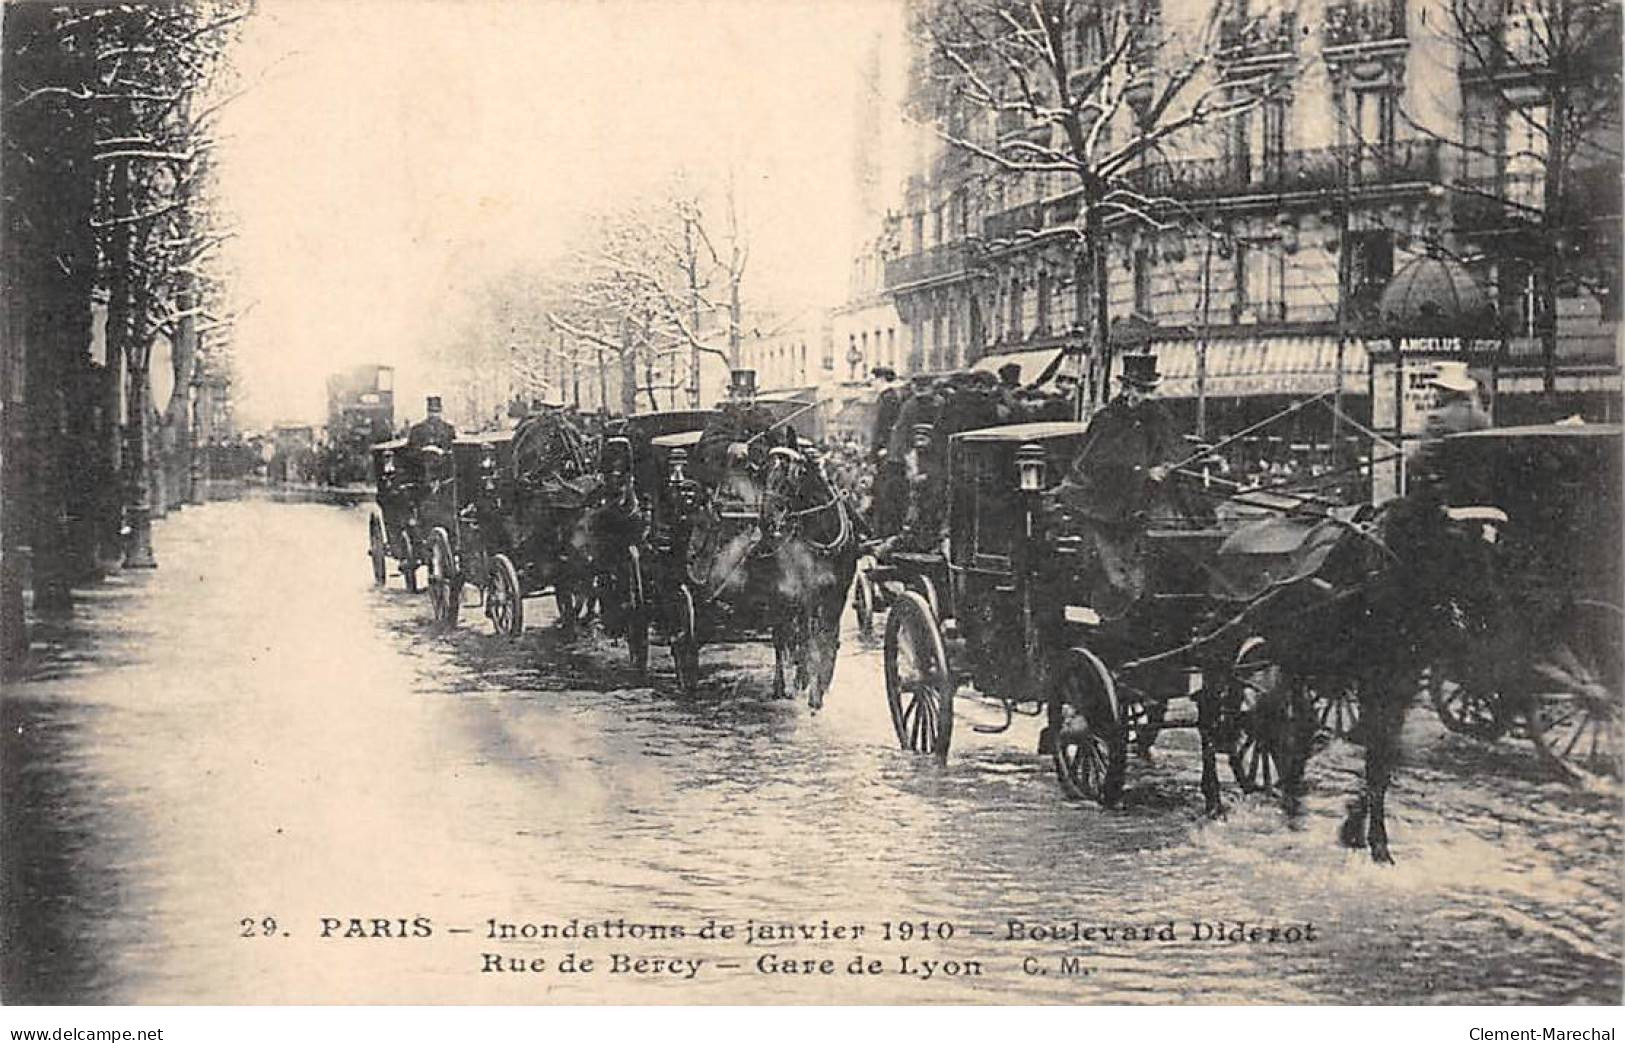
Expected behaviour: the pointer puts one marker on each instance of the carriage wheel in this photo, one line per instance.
(504, 602)
(409, 563)
(685, 642)
(1090, 747)
(636, 614)
(863, 601)
(919, 684)
(1272, 712)
(445, 585)
(927, 590)
(1574, 706)
(1466, 709)
(376, 549)
(1338, 711)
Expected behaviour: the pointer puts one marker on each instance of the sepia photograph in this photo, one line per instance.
(811, 502)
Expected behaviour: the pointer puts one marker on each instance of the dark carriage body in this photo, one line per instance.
(1560, 486)
(1009, 610)
(635, 526)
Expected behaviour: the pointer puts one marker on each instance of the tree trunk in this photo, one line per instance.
(629, 373)
(1094, 246)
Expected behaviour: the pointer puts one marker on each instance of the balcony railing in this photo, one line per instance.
(1251, 38)
(1007, 223)
(1302, 170)
(940, 260)
(1354, 22)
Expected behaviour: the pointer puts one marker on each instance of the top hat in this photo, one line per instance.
(433, 404)
(1453, 376)
(1010, 373)
(742, 383)
(1140, 371)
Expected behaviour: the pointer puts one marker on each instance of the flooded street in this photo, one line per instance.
(223, 758)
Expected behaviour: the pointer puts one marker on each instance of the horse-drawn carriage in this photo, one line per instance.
(1005, 611)
(631, 530)
(393, 530)
(1559, 486)
(504, 517)
(735, 524)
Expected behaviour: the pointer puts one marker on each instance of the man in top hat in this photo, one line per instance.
(432, 429)
(735, 438)
(1457, 407)
(1125, 456)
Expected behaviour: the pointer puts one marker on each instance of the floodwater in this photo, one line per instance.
(223, 759)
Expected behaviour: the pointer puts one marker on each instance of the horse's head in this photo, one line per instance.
(1445, 566)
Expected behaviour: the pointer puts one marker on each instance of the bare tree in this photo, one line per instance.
(1084, 91)
(153, 65)
(1540, 141)
(652, 283)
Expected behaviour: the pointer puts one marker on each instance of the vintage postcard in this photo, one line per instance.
(819, 502)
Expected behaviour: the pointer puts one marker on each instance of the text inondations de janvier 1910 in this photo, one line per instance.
(919, 949)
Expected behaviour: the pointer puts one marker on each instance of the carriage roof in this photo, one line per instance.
(1508, 434)
(678, 439)
(665, 422)
(1036, 431)
(485, 438)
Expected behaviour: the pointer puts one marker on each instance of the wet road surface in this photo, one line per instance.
(254, 734)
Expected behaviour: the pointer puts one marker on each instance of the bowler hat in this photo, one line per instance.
(1140, 371)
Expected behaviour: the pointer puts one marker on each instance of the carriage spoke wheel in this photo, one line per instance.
(409, 563)
(1337, 711)
(635, 613)
(863, 601)
(1575, 704)
(919, 684)
(1464, 708)
(376, 549)
(445, 585)
(504, 604)
(1090, 748)
(685, 642)
(1272, 714)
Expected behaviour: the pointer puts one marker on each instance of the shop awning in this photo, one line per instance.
(1034, 362)
(1253, 366)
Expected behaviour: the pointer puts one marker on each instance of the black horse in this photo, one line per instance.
(1414, 588)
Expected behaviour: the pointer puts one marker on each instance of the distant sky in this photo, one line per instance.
(393, 154)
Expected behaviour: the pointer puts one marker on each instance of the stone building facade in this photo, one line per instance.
(1274, 233)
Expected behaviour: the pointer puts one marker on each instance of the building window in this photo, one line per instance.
(1142, 283)
(1260, 282)
(1524, 173)
(1370, 266)
(936, 336)
(1373, 129)
(1044, 289)
(1257, 143)
(953, 338)
(1014, 326)
(891, 346)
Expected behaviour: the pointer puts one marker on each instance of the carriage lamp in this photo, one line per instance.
(677, 467)
(386, 462)
(617, 458)
(1030, 468)
(488, 467)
